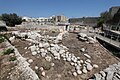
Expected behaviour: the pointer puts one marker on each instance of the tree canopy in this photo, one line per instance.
(11, 19)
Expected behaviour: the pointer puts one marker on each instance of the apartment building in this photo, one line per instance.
(60, 18)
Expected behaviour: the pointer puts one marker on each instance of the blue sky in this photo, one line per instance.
(46, 8)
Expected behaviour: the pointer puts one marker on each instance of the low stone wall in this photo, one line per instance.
(110, 73)
(23, 65)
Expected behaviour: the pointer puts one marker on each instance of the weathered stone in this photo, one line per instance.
(57, 48)
(75, 60)
(74, 74)
(40, 45)
(110, 75)
(42, 50)
(30, 43)
(62, 51)
(52, 64)
(72, 63)
(43, 74)
(77, 67)
(46, 45)
(25, 48)
(11, 54)
(91, 79)
(59, 75)
(95, 65)
(79, 71)
(34, 53)
(78, 58)
(43, 54)
(82, 35)
(36, 67)
(52, 45)
(117, 75)
(48, 58)
(75, 64)
(84, 70)
(30, 60)
(91, 42)
(82, 49)
(41, 68)
(12, 38)
(69, 59)
(38, 51)
(81, 61)
(89, 67)
(59, 38)
(33, 48)
(48, 49)
(102, 73)
(87, 55)
(64, 59)
(88, 60)
(98, 76)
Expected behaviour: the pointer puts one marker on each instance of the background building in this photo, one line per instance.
(114, 10)
(60, 18)
(46, 21)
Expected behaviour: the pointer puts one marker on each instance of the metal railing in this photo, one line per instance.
(109, 41)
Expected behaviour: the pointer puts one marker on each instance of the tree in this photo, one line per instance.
(100, 22)
(11, 19)
(105, 17)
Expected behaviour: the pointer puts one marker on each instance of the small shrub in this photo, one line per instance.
(46, 65)
(2, 39)
(38, 72)
(13, 58)
(8, 51)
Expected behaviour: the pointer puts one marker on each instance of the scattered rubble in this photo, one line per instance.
(83, 49)
(52, 49)
(43, 73)
(12, 38)
(23, 66)
(110, 73)
(74, 74)
(44, 47)
(36, 67)
(30, 60)
(84, 37)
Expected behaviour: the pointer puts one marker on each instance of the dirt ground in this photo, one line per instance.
(61, 70)
(99, 55)
(8, 70)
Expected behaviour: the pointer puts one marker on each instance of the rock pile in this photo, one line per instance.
(51, 48)
(110, 73)
(12, 38)
(84, 37)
